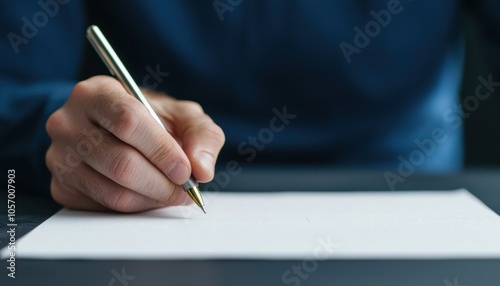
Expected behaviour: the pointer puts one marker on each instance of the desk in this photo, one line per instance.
(484, 184)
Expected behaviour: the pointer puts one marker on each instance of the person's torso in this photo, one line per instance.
(365, 79)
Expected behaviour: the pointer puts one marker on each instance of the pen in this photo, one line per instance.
(117, 69)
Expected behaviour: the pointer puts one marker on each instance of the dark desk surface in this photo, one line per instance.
(484, 184)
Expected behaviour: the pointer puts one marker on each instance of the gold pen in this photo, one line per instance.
(117, 69)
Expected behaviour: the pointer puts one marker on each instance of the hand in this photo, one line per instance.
(108, 152)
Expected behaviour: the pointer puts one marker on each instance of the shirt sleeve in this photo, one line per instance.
(41, 46)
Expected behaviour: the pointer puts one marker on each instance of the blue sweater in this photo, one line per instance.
(365, 83)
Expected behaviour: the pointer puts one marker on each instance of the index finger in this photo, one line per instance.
(128, 119)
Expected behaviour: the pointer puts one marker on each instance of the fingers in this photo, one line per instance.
(116, 160)
(130, 121)
(72, 198)
(108, 152)
(85, 188)
(201, 138)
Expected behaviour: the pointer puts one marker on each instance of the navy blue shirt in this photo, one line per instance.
(370, 84)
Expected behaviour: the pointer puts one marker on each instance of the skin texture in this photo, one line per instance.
(109, 153)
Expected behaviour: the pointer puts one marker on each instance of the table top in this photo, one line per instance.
(33, 209)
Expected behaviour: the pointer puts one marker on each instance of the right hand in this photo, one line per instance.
(108, 152)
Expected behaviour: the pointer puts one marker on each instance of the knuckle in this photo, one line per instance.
(81, 88)
(162, 154)
(101, 104)
(94, 190)
(176, 196)
(55, 123)
(56, 193)
(81, 92)
(89, 186)
(214, 132)
(122, 168)
(49, 155)
(108, 103)
(120, 200)
(165, 193)
(127, 121)
(189, 106)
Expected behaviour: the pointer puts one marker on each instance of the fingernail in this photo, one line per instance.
(178, 173)
(206, 161)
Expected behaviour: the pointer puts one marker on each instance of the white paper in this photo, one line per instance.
(359, 225)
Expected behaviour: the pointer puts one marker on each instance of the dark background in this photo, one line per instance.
(482, 128)
(482, 136)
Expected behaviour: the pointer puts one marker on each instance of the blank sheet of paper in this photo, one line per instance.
(421, 225)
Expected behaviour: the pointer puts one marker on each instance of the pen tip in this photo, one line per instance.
(203, 209)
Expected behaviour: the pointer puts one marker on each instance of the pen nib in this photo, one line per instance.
(195, 194)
